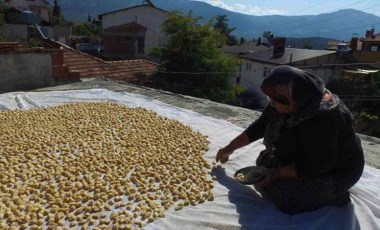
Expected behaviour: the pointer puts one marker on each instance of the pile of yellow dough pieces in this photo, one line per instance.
(99, 165)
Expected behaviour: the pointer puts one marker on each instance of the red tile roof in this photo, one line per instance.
(131, 71)
(9, 46)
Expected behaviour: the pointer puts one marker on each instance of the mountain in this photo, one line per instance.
(338, 25)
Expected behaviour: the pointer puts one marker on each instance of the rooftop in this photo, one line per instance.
(90, 66)
(248, 47)
(132, 7)
(376, 38)
(290, 55)
(236, 115)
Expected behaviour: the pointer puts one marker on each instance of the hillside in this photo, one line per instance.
(338, 25)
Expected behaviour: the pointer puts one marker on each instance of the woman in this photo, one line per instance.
(312, 153)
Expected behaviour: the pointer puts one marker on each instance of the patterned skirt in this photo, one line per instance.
(298, 195)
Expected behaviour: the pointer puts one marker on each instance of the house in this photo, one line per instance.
(247, 47)
(39, 7)
(135, 71)
(257, 65)
(339, 46)
(366, 49)
(26, 19)
(26, 68)
(131, 32)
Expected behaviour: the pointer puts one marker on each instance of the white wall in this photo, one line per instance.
(252, 75)
(147, 16)
(21, 31)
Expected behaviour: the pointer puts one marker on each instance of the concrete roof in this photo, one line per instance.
(290, 55)
(236, 115)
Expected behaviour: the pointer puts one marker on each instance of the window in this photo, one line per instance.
(141, 45)
(247, 65)
(374, 48)
(238, 80)
(265, 71)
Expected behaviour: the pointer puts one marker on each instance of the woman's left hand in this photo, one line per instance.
(269, 176)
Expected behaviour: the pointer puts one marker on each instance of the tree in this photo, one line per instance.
(222, 26)
(2, 10)
(84, 29)
(57, 15)
(308, 45)
(192, 61)
(242, 41)
(2, 16)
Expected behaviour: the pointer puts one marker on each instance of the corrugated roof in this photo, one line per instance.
(290, 55)
(130, 71)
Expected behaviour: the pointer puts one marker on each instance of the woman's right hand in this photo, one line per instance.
(223, 154)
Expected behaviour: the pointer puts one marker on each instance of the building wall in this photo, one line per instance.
(24, 71)
(147, 16)
(326, 73)
(58, 33)
(124, 41)
(253, 73)
(38, 6)
(16, 31)
(367, 56)
(61, 34)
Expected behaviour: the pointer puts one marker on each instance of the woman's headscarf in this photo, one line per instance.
(301, 90)
(291, 86)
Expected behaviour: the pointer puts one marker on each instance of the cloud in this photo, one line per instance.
(240, 8)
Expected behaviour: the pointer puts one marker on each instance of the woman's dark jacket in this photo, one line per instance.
(321, 146)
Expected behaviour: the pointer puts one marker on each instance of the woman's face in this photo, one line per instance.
(281, 108)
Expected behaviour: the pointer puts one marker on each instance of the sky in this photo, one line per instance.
(295, 7)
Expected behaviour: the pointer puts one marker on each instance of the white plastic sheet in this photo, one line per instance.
(235, 206)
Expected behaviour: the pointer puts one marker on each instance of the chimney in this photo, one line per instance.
(278, 47)
(368, 33)
(354, 42)
(258, 42)
(372, 32)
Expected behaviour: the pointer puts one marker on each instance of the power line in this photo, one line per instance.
(285, 23)
(300, 67)
(318, 4)
(342, 7)
(329, 19)
(347, 28)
